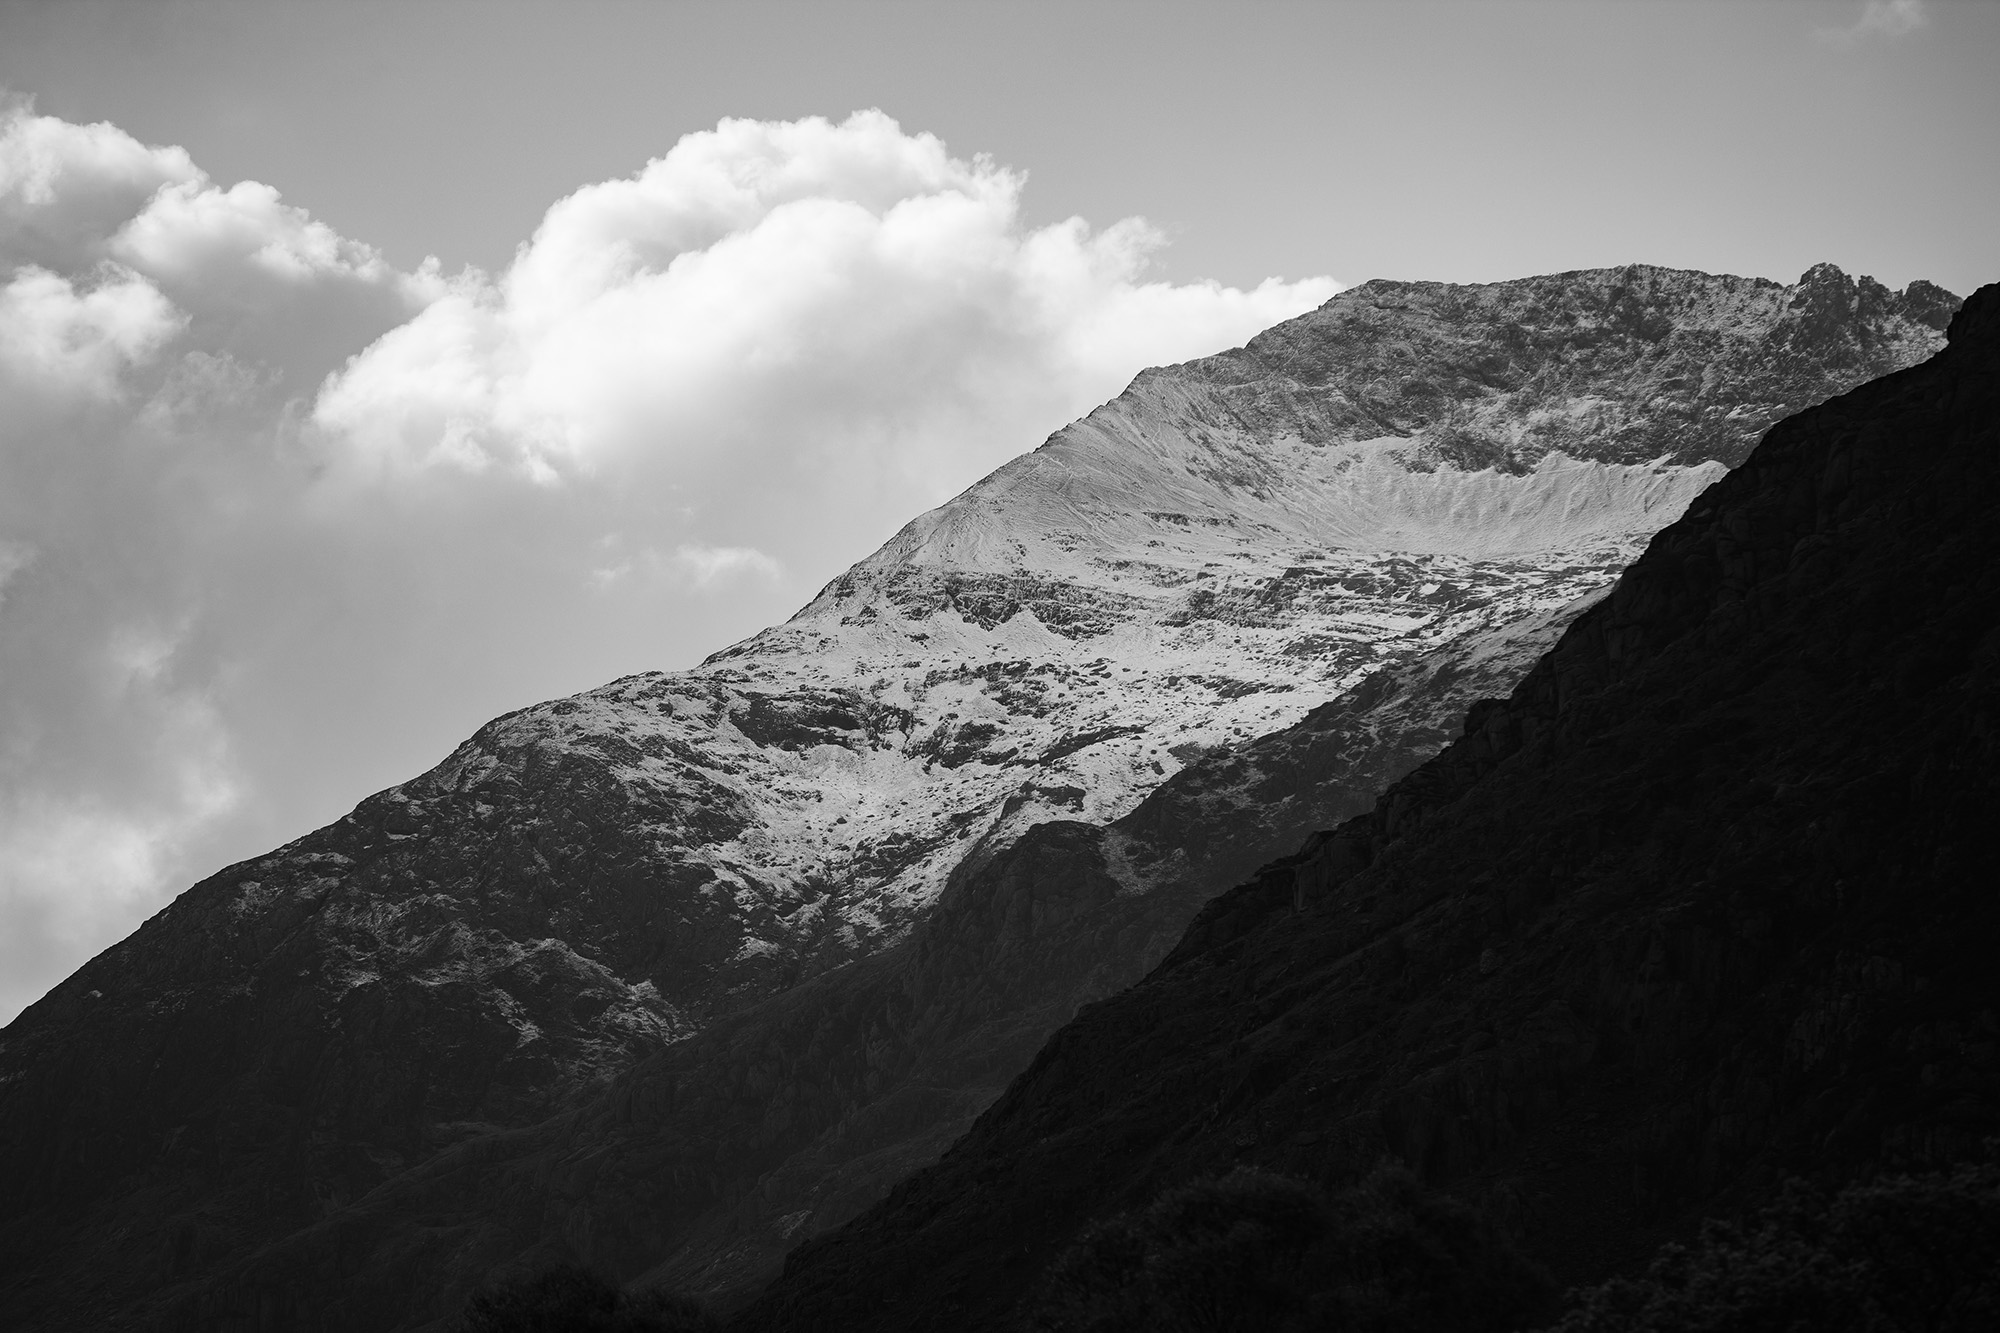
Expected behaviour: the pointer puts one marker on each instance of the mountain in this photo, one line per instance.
(827, 882)
(1698, 906)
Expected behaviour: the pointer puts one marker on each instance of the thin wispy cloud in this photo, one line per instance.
(1879, 19)
(280, 522)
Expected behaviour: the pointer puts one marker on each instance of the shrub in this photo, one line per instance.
(1892, 1255)
(569, 1299)
(1266, 1254)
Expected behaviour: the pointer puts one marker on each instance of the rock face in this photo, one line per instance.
(1706, 901)
(783, 924)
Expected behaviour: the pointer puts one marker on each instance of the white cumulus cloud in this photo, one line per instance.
(845, 301)
(54, 337)
(66, 189)
(296, 521)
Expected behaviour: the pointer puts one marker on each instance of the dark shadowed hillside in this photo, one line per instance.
(1707, 901)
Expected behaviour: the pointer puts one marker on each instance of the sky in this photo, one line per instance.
(369, 371)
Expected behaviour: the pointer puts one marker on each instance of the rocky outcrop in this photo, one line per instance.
(1705, 901)
(1622, 365)
(436, 1008)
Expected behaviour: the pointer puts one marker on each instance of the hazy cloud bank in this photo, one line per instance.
(280, 523)
(1879, 19)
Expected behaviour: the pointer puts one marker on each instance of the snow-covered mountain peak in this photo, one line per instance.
(1374, 514)
(1223, 547)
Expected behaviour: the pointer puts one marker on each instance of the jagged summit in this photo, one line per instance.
(1414, 471)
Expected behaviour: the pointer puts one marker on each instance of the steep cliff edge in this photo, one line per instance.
(1707, 900)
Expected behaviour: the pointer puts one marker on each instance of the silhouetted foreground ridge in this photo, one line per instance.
(1707, 902)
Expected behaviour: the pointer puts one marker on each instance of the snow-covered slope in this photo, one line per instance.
(1206, 558)
(1413, 471)
(1058, 640)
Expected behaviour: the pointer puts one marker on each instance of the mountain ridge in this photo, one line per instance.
(591, 880)
(1698, 904)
